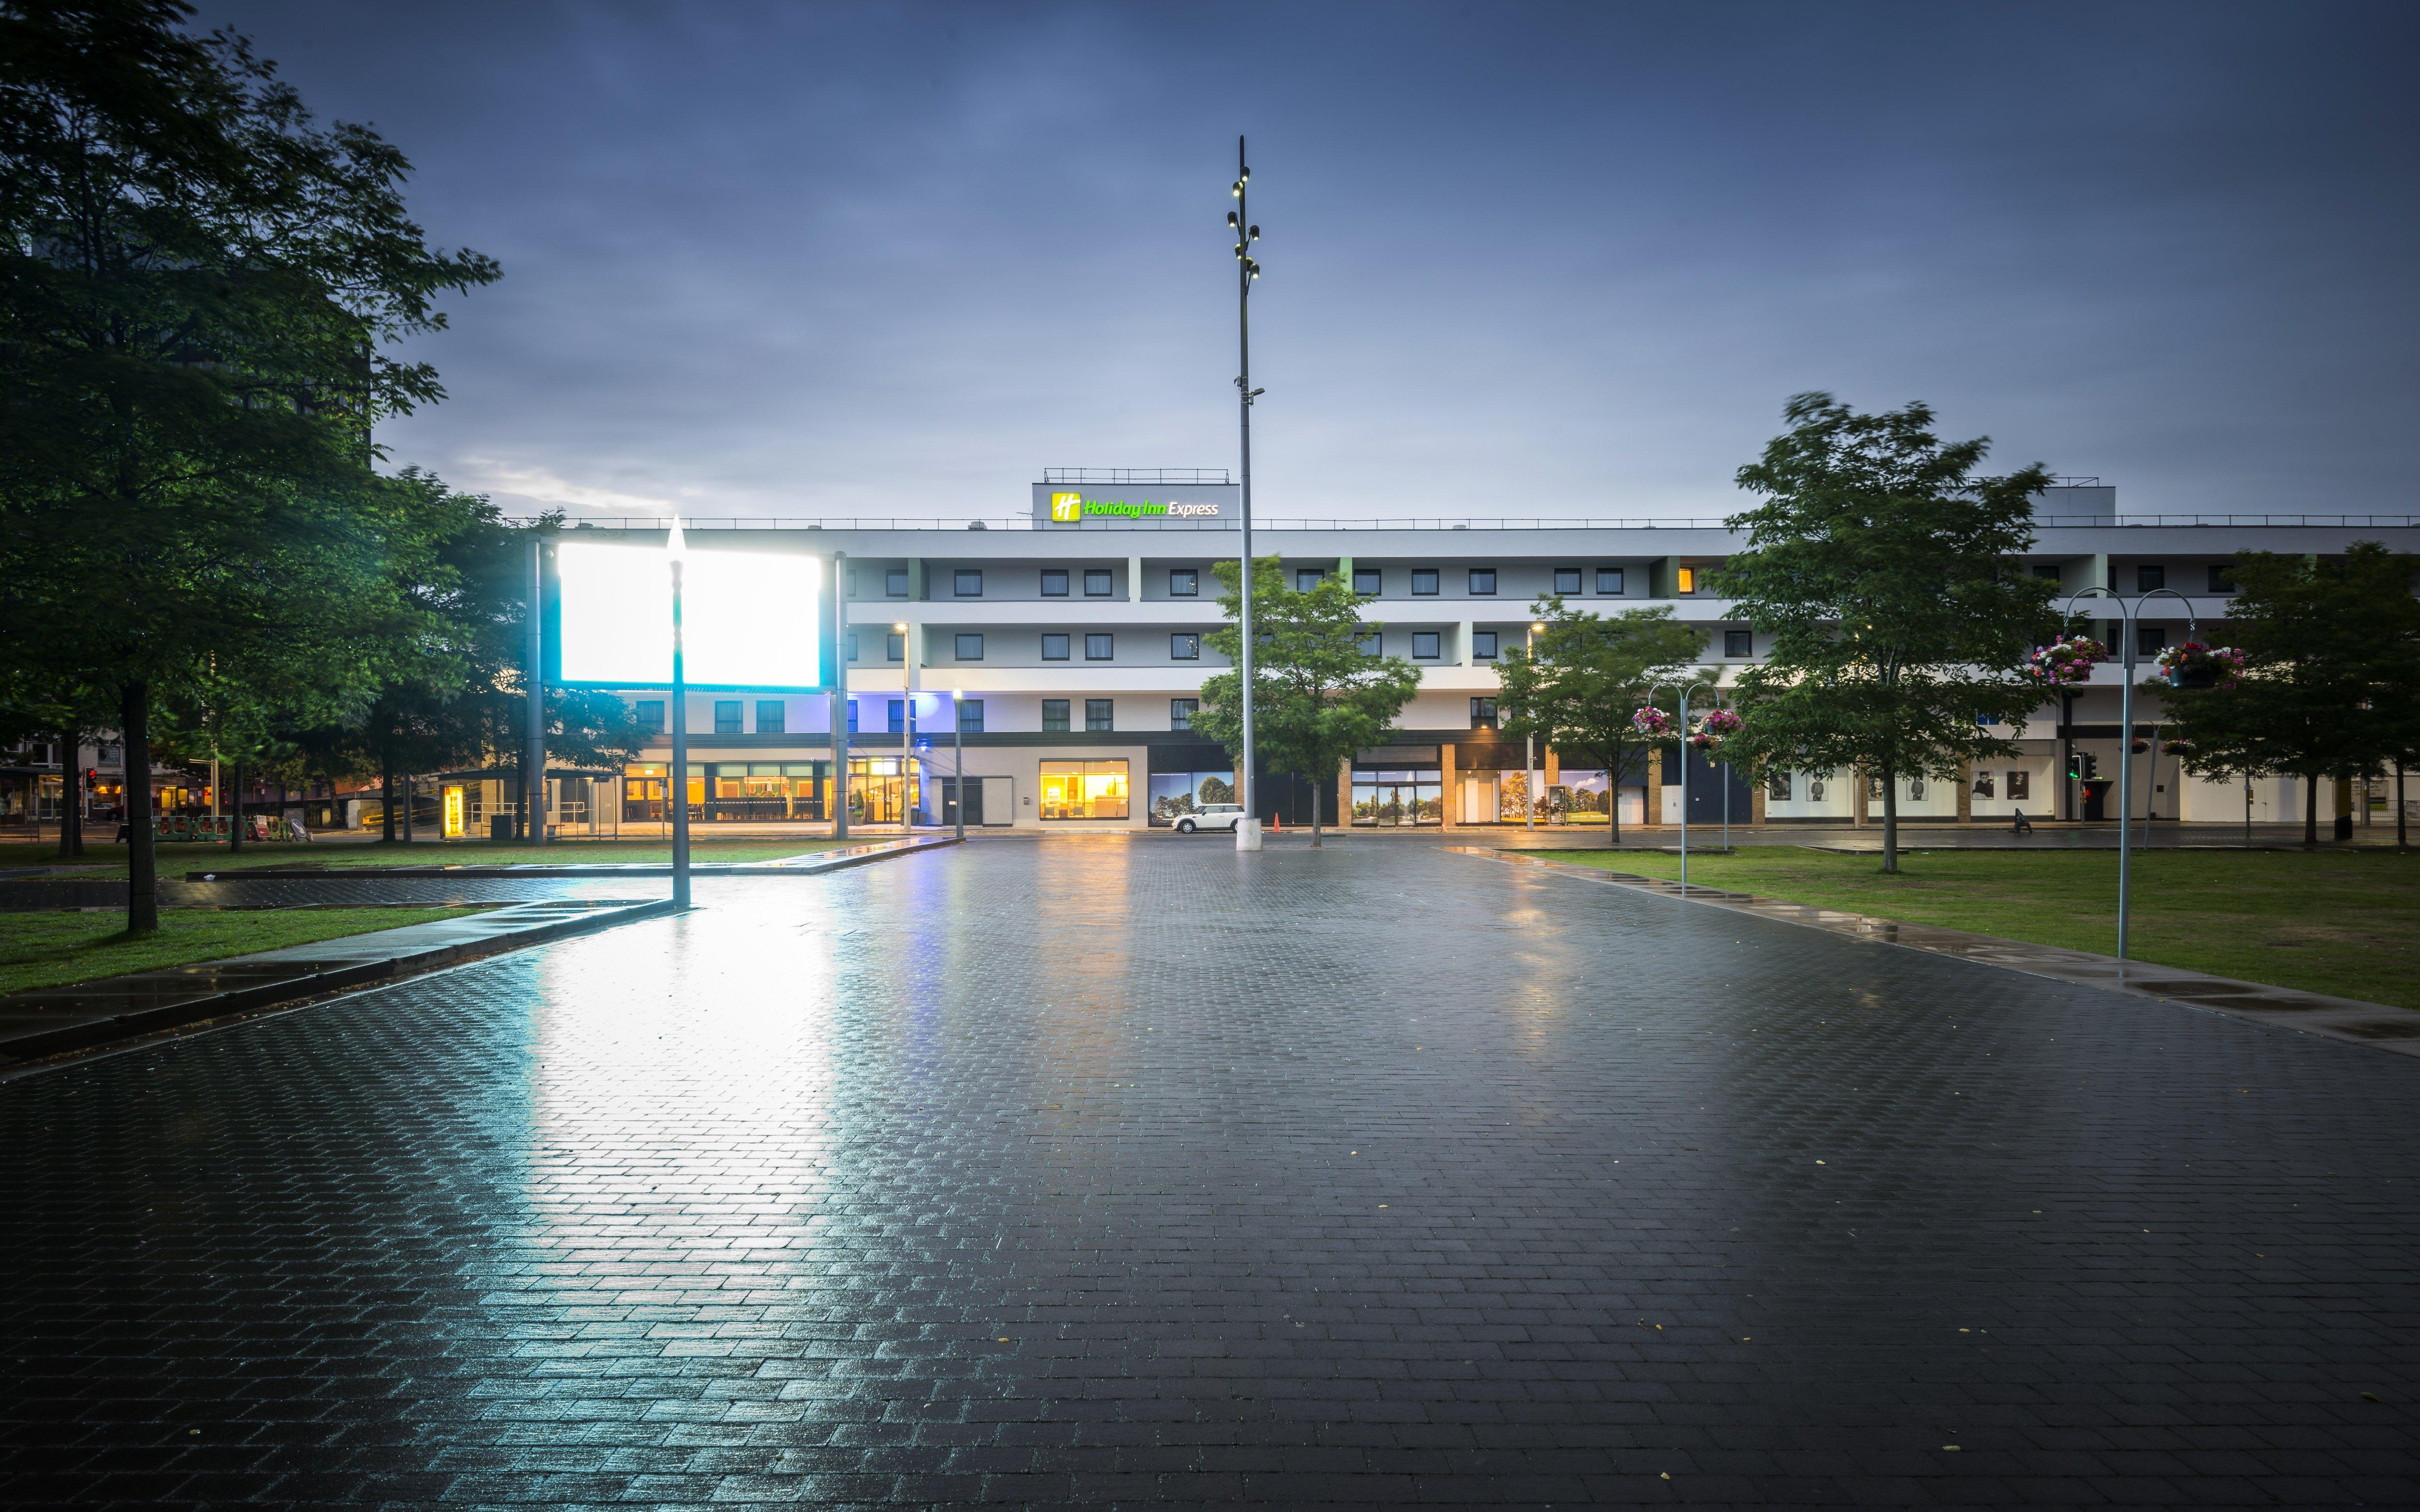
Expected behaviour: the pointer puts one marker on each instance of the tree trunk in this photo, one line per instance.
(1890, 820)
(521, 794)
(1314, 814)
(2310, 811)
(2402, 837)
(235, 830)
(386, 794)
(70, 793)
(1613, 799)
(142, 862)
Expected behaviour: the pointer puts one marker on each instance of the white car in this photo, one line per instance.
(1212, 816)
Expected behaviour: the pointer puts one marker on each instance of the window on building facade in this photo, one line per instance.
(895, 716)
(1099, 583)
(1184, 582)
(1180, 712)
(851, 704)
(1688, 581)
(1776, 786)
(1424, 579)
(894, 647)
(1054, 716)
(1100, 714)
(2222, 577)
(852, 582)
(1483, 714)
(650, 713)
(967, 582)
(1084, 790)
(726, 717)
(1100, 647)
(1609, 580)
(1567, 580)
(1483, 646)
(772, 717)
(1738, 643)
(1482, 582)
(2150, 640)
(970, 648)
(894, 582)
(1426, 645)
(970, 716)
(1368, 644)
(852, 645)
(1054, 648)
(1054, 582)
(2149, 576)
(1368, 582)
(1185, 647)
(1307, 579)
(2047, 570)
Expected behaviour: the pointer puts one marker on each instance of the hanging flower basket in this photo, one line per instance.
(1653, 723)
(1716, 727)
(2066, 662)
(2191, 664)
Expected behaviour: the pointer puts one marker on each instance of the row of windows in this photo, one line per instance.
(1186, 582)
(1099, 714)
(1427, 645)
(2150, 576)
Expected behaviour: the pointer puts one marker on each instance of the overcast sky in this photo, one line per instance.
(895, 260)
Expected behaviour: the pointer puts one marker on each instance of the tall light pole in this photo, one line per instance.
(1683, 738)
(2127, 614)
(1248, 829)
(958, 757)
(906, 726)
(676, 549)
(1530, 753)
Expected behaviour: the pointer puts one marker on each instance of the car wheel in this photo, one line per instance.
(1184, 826)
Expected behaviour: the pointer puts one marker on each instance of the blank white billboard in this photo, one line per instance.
(749, 619)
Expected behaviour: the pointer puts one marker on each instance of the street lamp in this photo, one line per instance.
(959, 758)
(676, 552)
(1529, 751)
(1685, 692)
(1239, 221)
(2127, 614)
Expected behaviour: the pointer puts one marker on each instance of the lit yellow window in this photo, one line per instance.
(1688, 579)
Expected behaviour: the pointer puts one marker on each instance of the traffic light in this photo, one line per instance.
(91, 778)
(2091, 764)
(2081, 766)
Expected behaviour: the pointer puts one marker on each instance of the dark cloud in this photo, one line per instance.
(1522, 260)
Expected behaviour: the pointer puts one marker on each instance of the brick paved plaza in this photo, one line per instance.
(1114, 1171)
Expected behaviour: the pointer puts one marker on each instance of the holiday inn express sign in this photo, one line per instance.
(1195, 505)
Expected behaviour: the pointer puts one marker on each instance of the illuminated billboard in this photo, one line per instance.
(749, 619)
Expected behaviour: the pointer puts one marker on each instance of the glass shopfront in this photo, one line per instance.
(643, 792)
(1174, 794)
(1084, 790)
(1392, 796)
(767, 791)
(877, 792)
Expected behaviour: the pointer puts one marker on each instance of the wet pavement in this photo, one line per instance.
(1109, 1171)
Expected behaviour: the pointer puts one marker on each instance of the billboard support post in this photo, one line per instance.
(534, 767)
(679, 795)
(840, 699)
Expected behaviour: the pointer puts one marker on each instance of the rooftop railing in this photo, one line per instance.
(744, 522)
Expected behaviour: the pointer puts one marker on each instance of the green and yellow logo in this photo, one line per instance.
(1067, 508)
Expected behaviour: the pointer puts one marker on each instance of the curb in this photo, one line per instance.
(201, 1004)
(2345, 1020)
(812, 863)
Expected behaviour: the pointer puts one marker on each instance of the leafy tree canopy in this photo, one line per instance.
(1318, 696)
(1578, 689)
(1889, 577)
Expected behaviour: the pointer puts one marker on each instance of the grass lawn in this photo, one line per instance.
(52, 949)
(179, 859)
(2341, 923)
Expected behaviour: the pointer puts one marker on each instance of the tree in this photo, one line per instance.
(1587, 675)
(2331, 675)
(1318, 695)
(1888, 576)
(196, 286)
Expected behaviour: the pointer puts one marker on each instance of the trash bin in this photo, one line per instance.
(500, 827)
